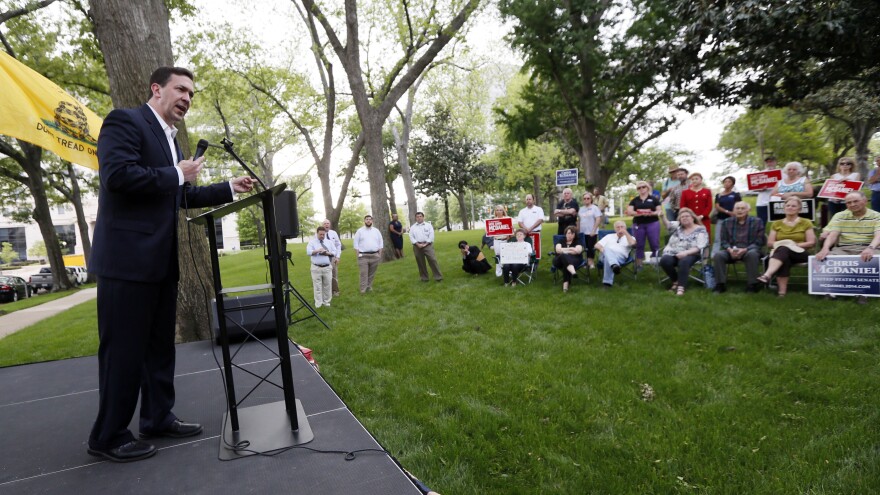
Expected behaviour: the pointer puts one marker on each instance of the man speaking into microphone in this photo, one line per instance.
(144, 181)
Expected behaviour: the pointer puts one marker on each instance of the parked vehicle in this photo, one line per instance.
(13, 288)
(78, 274)
(42, 280)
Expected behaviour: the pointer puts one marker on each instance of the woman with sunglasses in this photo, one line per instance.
(588, 221)
(646, 210)
(845, 171)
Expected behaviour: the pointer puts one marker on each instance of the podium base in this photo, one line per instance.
(265, 428)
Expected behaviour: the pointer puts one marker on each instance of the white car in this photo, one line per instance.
(78, 274)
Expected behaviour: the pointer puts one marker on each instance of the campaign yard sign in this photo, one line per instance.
(499, 226)
(764, 180)
(838, 189)
(845, 276)
(536, 244)
(808, 209)
(567, 177)
(515, 253)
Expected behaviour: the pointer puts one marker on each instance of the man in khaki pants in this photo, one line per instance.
(333, 238)
(368, 245)
(422, 237)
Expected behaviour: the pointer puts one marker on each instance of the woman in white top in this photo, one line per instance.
(793, 183)
(589, 218)
(845, 171)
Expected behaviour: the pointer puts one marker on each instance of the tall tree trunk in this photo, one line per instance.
(82, 224)
(536, 189)
(462, 211)
(446, 213)
(43, 216)
(862, 132)
(392, 205)
(376, 172)
(135, 39)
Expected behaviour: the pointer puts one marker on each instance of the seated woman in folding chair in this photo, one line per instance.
(686, 243)
(569, 255)
(511, 271)
(790, 238)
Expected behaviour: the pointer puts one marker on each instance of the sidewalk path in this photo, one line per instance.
(18, 320)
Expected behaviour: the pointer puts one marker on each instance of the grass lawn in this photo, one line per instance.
(479, 388)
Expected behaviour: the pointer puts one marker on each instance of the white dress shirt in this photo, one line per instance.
(421, 232)
(368, 240)
(333, 237)
(316, 245)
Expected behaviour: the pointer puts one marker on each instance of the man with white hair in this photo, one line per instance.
(333, 238)
(854, 231)
(566, 211)
(742, 239)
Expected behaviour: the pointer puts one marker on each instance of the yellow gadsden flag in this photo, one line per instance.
(36, 110)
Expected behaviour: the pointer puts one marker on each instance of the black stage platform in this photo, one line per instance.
(47, 409)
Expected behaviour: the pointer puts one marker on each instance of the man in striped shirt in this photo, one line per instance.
(854, 231)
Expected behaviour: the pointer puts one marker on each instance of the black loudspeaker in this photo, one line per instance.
(255, 313)
(285, 215)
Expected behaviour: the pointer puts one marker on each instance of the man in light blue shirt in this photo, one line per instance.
(322, 255)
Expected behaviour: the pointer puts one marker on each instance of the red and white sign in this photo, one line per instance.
(838, 189)
(499, 226)
(764, 180)
(536, 244)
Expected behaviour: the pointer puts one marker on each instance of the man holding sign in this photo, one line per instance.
(855, 231)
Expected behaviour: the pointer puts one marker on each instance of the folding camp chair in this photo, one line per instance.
(696, 273)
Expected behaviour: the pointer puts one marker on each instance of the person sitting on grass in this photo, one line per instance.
(511, 271)
(569, 255)
(615, 249)
(789, 238)
(687, 240)
(472, 259)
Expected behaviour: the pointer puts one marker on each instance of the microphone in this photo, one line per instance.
(201, 148)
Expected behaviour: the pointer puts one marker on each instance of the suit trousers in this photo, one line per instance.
(367, 265)
(421, 254)
(322, 285)
(752, 260)
(136, 323)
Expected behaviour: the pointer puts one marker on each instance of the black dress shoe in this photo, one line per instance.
(177, 429)
(719, 288)
(615, 269)
(132, 451)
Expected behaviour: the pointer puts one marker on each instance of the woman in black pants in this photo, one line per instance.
(569, 255)
(687, 241)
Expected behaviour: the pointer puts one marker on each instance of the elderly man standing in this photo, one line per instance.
(854, 231)
(531, 217)
(674, 181)
(333, 238)
(566, 211)
(422, 236)
(368, 244)
(742, 238)
(674, 193)
(322, 252)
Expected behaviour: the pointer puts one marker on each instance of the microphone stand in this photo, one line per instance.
(227, 145)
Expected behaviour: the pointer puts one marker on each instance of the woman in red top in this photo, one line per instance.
(698, 199)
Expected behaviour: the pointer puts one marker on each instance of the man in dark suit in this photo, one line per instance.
(144, 181)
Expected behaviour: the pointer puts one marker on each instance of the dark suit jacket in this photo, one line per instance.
(136, 230)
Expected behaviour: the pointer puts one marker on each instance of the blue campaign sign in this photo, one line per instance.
(567, 177)
(845, 276)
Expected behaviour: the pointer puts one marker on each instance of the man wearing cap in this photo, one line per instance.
(763, 203)
(666, 188)
(673, 194)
